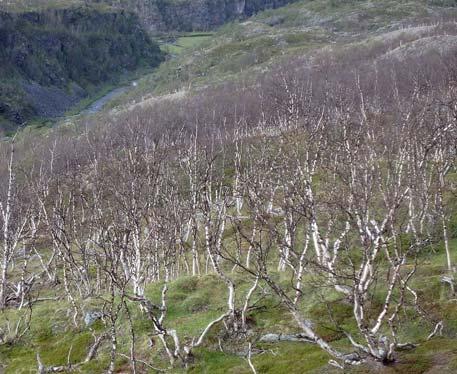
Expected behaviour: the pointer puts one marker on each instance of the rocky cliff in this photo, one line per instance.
(49, 59)
(193, 15)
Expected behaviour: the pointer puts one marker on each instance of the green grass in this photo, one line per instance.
(38, 5)
(185, 42)
(28, 5)
(50, 334)
(294, 358)
(194, 301)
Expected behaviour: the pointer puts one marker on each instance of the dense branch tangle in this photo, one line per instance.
(337, 187)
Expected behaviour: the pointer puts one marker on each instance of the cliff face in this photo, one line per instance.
(193, 15)
(49, 59)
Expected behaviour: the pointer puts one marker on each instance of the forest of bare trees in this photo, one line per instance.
(333, 175)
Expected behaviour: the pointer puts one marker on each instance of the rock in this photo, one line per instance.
(449, 279)
(308, 323)
(91, 317)
(273, 338)
(50, 102)
(270, 338)
(274, 21)
(195, 15)
(352, 358)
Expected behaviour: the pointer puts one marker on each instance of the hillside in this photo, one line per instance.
(55, 54)
(244, 50)
(199, 15)
(168, 15)
(52, 59)
(278, 196)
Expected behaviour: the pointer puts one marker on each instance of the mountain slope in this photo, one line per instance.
(51, 59)
(245, 50)
(169, 15)
(196, 15)
(235, 203)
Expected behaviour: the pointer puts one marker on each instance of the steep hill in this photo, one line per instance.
(169, 15)
(278, 197)
(55, 53)
(196, 15)
(50, 59)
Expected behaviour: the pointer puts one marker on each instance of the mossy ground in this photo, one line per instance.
(194, 301)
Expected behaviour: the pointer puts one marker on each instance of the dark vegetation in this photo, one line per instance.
(51, 59)
(167, 15)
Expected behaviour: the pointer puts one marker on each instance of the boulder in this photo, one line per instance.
(274, 338)
(92, 316)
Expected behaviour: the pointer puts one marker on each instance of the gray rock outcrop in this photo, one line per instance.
(194, 15)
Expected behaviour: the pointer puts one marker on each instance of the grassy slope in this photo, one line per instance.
(179, 45)
(302, 27)
(241, 50)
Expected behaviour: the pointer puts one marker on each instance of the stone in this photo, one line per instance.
(91, 317)
(273, 338)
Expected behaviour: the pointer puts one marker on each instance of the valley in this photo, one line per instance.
(54, 58)
(221, 186)
(35, 90)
